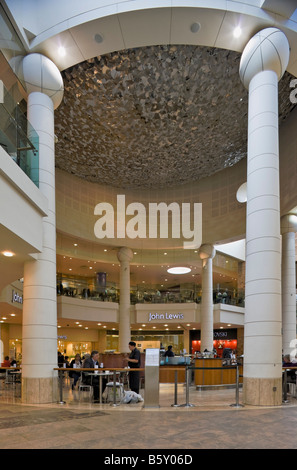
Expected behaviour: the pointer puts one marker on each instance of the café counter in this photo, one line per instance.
(207, 375)
(171, 365)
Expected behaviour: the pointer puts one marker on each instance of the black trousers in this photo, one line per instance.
(134, 381)
(94, 381)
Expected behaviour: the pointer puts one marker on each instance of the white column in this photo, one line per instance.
(288, 229)
(260, 70)
(39, 341)
(40, 307)
(207, 253)
(125, 256)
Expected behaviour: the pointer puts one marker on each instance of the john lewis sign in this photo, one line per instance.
(16, 297)
(165, 316)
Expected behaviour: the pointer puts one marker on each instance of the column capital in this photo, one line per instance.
(267, 50)
(288, 223)
(40, 74)
(207, 251)
(125, 254)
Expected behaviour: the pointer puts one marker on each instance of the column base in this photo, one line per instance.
(39, 390)
(262, 392)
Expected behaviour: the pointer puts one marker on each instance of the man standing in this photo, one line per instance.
(134, 362)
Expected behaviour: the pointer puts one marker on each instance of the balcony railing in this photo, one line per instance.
(84, 289)
(17, 136)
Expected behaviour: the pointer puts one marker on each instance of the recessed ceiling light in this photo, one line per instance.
(8, 253)
(62, 51)
(237, 32)
(98, 38)
(179, 270)
(195, 27)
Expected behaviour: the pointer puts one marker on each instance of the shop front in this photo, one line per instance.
(222, 339)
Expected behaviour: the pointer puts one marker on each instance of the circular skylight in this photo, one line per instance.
(179, 270)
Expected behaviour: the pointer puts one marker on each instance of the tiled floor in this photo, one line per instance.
(211, 424)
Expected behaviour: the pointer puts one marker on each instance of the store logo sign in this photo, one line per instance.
(16, 297)
(136, 221)
(165, 316)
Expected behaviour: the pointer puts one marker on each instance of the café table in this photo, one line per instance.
(105, 373)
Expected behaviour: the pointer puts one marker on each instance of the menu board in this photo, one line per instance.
(152, 356)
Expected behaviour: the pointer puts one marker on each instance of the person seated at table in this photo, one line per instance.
(75, 363)
(93, 379)
(291, 374)
(6, 362)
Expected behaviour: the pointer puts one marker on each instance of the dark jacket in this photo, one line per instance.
(88, 364)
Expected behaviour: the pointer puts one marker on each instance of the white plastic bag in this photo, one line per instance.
(131, 397)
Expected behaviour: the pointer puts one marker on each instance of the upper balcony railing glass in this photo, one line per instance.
(87, 289)
(17, 136)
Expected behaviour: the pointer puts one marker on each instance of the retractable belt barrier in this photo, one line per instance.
(190, 368)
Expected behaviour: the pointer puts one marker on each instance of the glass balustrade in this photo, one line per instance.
(17, 136)
(85, 288)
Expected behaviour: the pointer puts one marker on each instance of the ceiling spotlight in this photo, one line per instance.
(237, 32)
(98, 38)
(179, 270)
(195, 27)
(9, 254)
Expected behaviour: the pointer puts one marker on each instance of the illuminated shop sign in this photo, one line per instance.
(165, 316)
(220, 334)
(16, 297)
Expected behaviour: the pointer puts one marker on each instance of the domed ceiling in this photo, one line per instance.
(155, 117)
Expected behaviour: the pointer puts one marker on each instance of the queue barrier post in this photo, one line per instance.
(187, 404)
(285, 387)
(175, 390)
(60, 374)
(237, 404)
(114, 389)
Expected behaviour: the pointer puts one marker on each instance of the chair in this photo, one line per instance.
(84, 388)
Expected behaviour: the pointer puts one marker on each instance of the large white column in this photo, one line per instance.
(263, 62)
(125, 256)
(39, 342)
(207, 253)
(288, 229)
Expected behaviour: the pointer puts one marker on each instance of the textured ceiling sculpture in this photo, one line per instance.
(155, 117)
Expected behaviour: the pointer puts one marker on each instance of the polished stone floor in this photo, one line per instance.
(212, 423)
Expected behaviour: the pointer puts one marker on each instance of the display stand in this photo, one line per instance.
(151, 390)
